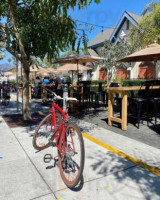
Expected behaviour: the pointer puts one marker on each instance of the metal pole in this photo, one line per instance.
(65, 94)
(17, 85)
(22, 87)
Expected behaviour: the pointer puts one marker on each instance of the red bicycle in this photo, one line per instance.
(55, 130)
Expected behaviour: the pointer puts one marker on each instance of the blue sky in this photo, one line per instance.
(106, 14)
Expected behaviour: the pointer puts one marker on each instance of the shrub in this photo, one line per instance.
(127, 82)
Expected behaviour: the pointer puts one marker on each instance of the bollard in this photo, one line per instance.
(65, 94)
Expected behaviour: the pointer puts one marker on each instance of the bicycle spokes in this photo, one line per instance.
(70, 159)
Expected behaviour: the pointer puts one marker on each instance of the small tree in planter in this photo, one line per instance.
(112, 53)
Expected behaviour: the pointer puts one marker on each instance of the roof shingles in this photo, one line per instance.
(101, 37)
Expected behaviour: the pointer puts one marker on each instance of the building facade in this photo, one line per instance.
(136, 70)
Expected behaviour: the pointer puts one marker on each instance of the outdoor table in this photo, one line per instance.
(123, 91)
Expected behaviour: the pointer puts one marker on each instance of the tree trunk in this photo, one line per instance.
(25, 106)
(24, 59)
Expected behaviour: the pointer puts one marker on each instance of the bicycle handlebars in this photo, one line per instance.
(57, 97)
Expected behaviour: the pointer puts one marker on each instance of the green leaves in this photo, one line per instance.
(148, 29)
(44, 27)
(113, 52)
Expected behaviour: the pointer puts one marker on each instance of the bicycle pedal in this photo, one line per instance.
(53, 144)
(55, 161)
(47, 158)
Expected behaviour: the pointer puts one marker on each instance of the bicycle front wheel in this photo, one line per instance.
(45, 132)
(71, 161)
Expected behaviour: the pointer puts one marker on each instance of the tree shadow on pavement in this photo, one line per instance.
(155, 128)
(125, 174)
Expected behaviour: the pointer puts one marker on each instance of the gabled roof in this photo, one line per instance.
(101, 38)
(110, 33)
(133, 18)
(137, 18)
(92, 52)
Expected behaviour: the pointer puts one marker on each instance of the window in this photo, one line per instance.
(127, 27)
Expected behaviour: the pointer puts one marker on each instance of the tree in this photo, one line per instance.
(150, 7)
(1, 51)
(112, 53)
(37, 28)
(147, 31)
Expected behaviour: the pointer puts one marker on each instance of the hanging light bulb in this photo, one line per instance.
(102, 29)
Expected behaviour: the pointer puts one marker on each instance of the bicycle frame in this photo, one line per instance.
(61, 131)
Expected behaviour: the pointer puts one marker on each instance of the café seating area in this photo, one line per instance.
(141, 103)
(135, 104)
(88, 95)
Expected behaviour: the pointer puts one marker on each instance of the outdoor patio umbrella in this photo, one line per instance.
(8, 73)
(34, 69)
(78, 59)
(51, 70)
(150, 53)
(37, 68)
(73, 67)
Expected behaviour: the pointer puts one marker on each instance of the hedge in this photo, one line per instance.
(127, 82)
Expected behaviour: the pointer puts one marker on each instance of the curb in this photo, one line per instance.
(147, 167)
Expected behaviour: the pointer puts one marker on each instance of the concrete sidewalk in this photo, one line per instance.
(106, 175)
(134, 148)
(24, 175)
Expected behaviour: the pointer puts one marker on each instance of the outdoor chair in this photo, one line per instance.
(100, 96)
(138, 107)
(86, 95)
(154, 105)
(117, 99)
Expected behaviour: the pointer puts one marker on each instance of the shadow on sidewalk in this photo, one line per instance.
(16, 120)
(127, 174)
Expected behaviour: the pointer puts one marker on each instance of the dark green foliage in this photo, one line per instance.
(45, 27)
(133, 82)
(97, 82)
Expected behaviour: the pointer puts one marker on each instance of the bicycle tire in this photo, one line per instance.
(62, 158)
(44, 133)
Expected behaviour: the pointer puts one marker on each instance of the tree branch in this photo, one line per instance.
(8, 48)
(11, 51)
(11, 7)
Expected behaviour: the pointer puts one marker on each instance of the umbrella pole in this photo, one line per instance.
(72, 76)
(77, 72)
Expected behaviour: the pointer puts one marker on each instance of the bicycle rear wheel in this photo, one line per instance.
(71, 162)
(45, 132)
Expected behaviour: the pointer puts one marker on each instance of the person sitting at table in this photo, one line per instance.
(46, 80)
(37, 81)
